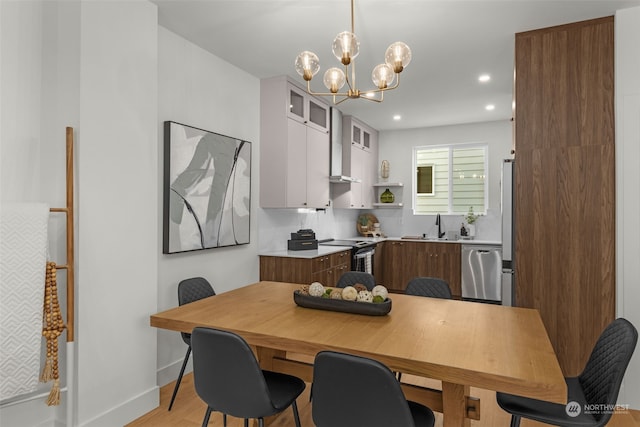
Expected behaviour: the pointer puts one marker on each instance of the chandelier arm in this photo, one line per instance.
(341, 101)
(373, 99)
(386, 88)
(311, 92)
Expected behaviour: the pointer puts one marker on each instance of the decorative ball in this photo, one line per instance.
(377, 299)
(316, 289)
(336, 294)
(304, 290)
(365, 296)
(380, 290)
(349, 293)
(360, 287)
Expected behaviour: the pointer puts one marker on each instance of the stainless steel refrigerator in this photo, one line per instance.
(508, 233)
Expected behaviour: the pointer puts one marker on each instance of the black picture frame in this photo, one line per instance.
(206, 189)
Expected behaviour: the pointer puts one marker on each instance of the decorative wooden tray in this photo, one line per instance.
(366, 230)
(318, 303)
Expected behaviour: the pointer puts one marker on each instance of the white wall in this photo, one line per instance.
(196, 88)
(117, 212)
(627, 55)
(93, 66)
(397, 147)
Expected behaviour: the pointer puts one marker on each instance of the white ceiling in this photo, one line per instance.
(452, 43)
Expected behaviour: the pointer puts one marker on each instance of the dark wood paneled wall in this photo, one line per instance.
(565, 182)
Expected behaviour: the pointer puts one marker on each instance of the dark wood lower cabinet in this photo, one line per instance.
(324, 269)
(404, 260)
(395, 263)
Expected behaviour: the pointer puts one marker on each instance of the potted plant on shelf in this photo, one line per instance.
(471, 219)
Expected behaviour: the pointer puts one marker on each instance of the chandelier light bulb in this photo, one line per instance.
(382, 76)
(398, 56)
(346, 47)
(307, 65)
(334, 79)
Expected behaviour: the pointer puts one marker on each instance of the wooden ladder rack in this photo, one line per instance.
(68, 210)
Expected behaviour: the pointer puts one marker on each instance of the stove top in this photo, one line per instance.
(351, 243)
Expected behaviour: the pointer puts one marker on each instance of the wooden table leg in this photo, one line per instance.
(454, 407)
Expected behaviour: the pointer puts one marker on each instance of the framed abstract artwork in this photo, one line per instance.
(207, 189)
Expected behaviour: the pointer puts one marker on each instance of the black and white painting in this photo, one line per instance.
(207, 189)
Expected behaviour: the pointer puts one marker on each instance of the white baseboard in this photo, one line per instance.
(169, 373)
(33, 412)
(128, 411)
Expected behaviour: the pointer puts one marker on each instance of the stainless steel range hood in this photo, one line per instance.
(336, 175)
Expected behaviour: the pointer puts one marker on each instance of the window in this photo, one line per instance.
(450, 179)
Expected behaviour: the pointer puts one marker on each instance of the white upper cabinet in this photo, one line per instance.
(359, 161)
(361, 134)
(294, 147)
(307, 109)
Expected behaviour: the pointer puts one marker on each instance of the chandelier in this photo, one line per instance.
(346, 48)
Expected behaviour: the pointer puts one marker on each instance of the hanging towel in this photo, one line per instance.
(367, 262)
(364, 261)
(23, 252)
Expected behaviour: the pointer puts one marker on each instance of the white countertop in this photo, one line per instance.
(308, 253)
(327, 250)
(459, 241)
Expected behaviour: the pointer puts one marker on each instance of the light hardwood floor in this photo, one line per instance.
(188, 410)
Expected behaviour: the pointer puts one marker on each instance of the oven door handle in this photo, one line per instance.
(361, 253)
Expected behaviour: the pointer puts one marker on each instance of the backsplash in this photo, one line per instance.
(276, 225)
(397, 223)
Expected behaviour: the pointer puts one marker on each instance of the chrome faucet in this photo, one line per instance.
(439, 224)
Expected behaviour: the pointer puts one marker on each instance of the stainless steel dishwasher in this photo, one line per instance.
(482, 273)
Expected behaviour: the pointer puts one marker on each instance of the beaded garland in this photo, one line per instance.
(52, 328)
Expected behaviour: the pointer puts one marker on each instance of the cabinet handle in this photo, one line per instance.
(304, 204)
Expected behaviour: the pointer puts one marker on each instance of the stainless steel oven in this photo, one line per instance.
(362, 252)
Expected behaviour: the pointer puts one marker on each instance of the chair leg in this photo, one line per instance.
(246, 422)
(224, 420)
(207, 414)
(296, 416)
(515, 421)
(260, 422)
(184, 365)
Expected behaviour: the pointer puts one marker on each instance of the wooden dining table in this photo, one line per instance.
(463, 344)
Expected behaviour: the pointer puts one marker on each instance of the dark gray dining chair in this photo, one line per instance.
(432, 287)
(596, 387)
(189, 290)
(350, 391)
(351, 278)
(228, 378)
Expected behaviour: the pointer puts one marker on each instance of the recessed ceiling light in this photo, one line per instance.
(397, 117)
(484, 78)
(490, 107)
